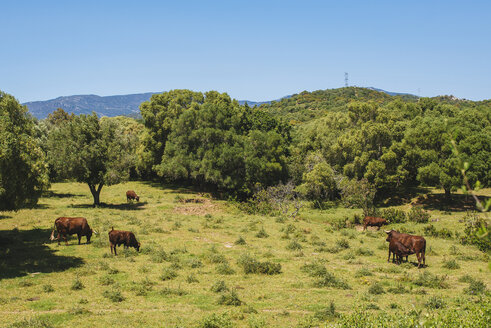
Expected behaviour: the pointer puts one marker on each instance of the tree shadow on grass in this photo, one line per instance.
(124, 206)
(4, 216)
(456, 203)
(174, 188)
(24, 251)
(50, 193)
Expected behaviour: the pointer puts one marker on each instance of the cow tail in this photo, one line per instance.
(53, 232)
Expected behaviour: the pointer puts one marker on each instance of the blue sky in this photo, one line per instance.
(255, 50)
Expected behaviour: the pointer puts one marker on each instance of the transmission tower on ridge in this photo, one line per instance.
(345, 79)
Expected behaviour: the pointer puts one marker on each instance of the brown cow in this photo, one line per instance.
(69, 226)
(416, 244)
(372, 221)
(399, 250)
(131, 194)
(127, 238)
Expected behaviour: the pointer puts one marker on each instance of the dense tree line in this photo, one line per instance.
(327, 142)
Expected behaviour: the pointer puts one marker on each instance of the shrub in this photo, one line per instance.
(326, 313)
(172, 291)
(36, 322)
(252, 265)
(418, 215)
(168, 274)
(342, 243)
(394, 215)
(314, 269)
(219, 287)
(159, 256)
(430, 280)
(475, 287)
(329, 280)
(229, 298)
(113, 295)
(240, 241)
(77, 285)
(451, 264)
(376, 289)
(106, 280)
(294, 246)
(48, 288)
(363, 272)
(191, 278)
(262, 233)
(216, 321)
(364, 252)
(435, 302)
(430, 230)
(372, 306)
(255, 321)
(475, 232)
(224, 268)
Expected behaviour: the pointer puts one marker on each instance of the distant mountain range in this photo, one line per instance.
(121, 105)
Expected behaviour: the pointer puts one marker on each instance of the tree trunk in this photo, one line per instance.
(447, 194)
(96, 193)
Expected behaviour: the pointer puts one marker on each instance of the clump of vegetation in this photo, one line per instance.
(194, 263)
(219, 287)
(172, 291)
(376, 289)
(343, 243)
(418, 215)
(168, 274)
(314, 269)
(159, 256)
(427, 279)
(326, 313)
(394, 215)
(430, 230)
(475, 232)
(36, 322)
(262, 233)
(252, 265)
(363, 272)
(25, 283)
(224, 268)
(229, 298)
(216, 321)
(113, 295)
(435, 303)
(475, 287)
(240, 241)
(77, 285)
(106, 280)
(294, 246)
(329, 280)
(48, 288)
(191, 278)
(451, 264)
(363, 251)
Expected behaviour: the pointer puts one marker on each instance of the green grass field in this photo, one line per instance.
(187, 249)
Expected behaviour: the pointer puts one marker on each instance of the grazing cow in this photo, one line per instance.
(131, 194)
(127, 238)
(69, 226)
(416, 244)
(399, 250)
(372, 221)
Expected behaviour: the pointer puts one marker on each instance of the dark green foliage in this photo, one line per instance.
(451, 264)
(216, 321)
(430, 230)
(326, 313)
(435, 303)
(262, 233)
(394, 215)
(35, 322)
(314, 269)
(219, 287)
(113, 295)
(229, 298)
(191, 278)
(329, 280)
(77, 285)
(106, 280)
(475, 287)
(475, 225)
(363, 251)
(23, 168)
(376, 289)
(342, 243)
(240, 241)
(418, 215)
(48, 288)
(363, 272)
(294, 246)
(224, 268)
(427, 279)
(168, 274)
(159, 256)
(252, 265)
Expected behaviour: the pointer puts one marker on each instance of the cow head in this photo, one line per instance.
(138, 247)
(52, 236)
(389, 235)
(94, 232)
(137, 198)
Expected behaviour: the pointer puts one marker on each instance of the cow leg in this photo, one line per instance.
(66, 239)
(58, 237)
(115, 250)
(424, 258)
(407, 258)
(388, 259)
(79, 238)
(418, 255)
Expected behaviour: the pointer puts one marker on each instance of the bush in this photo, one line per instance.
(394, 215)
(418, 215)
(262, 233)
(294, 246)
(48, 288)
(451, 264)
(106, 280)
(191, 278)
(36, 322)
(219, 287)
(229, 298)
(216, 321)
(224, 268)
(364, 252)
(77, 285)
(475, 232)
(113, 295)
(326, 313)
(363, 272)
(255, 321)
(435, 302)
(475, 287)
(159, 256)
(342, 243)
(240, 241)
(329, 280)
(376, 289)
(168, 274)
(314, 269)
(430, 230)
(251, 265)
(427, 279)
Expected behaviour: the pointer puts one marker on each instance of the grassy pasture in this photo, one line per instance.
(190, 271)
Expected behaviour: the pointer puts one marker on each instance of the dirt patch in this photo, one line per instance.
(197, 207)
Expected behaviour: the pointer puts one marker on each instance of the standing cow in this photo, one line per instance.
(127, 238)
(416, 244)
(371, 221)
(131, 194)
(69, 226)
(398, 250)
